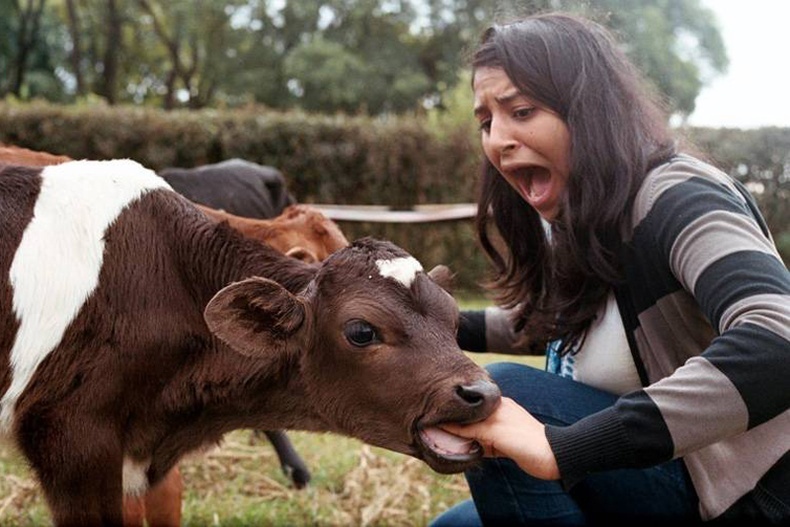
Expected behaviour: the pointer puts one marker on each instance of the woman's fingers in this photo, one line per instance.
(512, 432)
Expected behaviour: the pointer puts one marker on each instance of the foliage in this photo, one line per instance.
(325, 75)
(353, 56)
(30, 50)
(676, 44)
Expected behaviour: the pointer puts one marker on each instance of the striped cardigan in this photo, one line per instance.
(706, 308)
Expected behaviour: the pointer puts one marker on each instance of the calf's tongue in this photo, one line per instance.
(447, 443)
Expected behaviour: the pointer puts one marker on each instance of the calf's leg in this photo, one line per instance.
(290, 461)
(133, 511)
(81, 479)
(160, 506)
(163, 501)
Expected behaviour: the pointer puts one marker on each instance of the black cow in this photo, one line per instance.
(236, 186)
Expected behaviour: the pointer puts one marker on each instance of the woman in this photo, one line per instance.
(654, 282)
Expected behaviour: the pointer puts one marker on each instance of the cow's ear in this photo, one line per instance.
(442, 275)
(303, 254)
(254, 316)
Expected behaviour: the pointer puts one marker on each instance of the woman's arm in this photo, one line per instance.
(488, 330)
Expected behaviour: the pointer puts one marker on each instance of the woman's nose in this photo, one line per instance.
(501, 138)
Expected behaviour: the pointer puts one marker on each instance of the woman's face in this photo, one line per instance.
(529, 145)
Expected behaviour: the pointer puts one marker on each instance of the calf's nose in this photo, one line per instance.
(482, 395)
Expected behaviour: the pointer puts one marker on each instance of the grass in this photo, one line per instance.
(240, 483)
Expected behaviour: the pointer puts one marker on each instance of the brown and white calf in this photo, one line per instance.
(134, 330)
(300, 231)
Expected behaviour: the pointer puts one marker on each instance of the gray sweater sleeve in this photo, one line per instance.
(489, 330)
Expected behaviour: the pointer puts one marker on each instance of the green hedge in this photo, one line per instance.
(342, 160)
(399, 161)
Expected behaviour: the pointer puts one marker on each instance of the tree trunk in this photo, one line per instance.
(29, 24)
(112, 45)
(76, 51)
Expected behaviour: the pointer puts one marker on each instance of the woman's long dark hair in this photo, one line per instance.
(618, 132)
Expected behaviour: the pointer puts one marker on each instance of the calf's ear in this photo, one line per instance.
(302, 253)
(442, 275)
(254, 316)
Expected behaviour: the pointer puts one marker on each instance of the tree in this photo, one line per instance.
(190, 34)
(76, 47)
(29, 58)
(375, 56)
(27, 33)
(675, 43)
(109, 88)
(7, 14)
(98, 57)
(326, 76)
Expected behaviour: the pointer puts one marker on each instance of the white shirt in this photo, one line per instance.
(604, 360)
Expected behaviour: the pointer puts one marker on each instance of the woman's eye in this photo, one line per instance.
(485, 125)
(523, 112)
(359, 333)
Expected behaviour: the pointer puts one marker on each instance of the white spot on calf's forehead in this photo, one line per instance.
(57, 264)
(401, 269)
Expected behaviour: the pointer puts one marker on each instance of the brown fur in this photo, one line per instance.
(300, 231)
(16, 155)
(166, 357)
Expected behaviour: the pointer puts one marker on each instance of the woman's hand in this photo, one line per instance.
(512, 432)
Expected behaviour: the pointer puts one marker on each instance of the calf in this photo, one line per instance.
(134, 330)
(300, 231)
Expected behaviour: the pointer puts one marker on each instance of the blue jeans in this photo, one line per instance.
(503, 494)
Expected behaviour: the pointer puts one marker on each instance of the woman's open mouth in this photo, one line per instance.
(537, 186)
(532, 182)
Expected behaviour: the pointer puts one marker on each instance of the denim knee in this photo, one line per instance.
(511, 377)
(549, 397)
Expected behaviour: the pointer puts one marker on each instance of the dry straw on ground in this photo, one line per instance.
(239, 483)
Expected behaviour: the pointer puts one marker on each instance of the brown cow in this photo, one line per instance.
(16, 155)
(300, 231)
(134, 330)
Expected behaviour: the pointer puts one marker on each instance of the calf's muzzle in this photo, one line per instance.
(482, 395)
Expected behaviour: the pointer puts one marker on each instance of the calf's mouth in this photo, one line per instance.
(444, 452)
(448, 453)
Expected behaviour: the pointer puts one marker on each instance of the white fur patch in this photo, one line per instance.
(135, 480)
(56, 266)
(401, 269)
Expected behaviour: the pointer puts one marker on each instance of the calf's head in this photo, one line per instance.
(375, 339)
(303, 232)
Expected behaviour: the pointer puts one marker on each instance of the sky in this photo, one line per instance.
(755, 90)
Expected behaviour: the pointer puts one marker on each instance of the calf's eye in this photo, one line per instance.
(359, 333)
